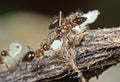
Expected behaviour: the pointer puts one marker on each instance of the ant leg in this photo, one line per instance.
(77, 39)
(51, 37)
(73, 64)
(80, 75)
(43, 42)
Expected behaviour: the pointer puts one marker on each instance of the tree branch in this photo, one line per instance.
(98, 51)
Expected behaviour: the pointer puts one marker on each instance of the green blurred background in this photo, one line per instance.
(27, 21)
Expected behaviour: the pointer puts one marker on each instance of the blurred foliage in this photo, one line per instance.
(109, 8)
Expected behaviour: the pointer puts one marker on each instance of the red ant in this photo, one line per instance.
(67, 23)
(30, 55)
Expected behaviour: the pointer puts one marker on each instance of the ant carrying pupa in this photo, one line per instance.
(63, 25)
(70, 22)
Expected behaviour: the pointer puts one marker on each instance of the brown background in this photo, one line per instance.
(27, 22)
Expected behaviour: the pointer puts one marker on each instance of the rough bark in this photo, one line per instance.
(98, 51)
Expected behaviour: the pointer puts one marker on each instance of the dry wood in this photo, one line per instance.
(98, 50)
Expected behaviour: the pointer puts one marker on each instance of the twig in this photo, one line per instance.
(99, 50)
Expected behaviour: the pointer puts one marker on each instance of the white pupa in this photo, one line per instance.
(15, 49)
(91, 17)
(14, 55)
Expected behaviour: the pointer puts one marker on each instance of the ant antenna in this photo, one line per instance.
(60, 16)
(29, 47)
(43, 42)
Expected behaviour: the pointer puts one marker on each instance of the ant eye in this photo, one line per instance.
(4, 53)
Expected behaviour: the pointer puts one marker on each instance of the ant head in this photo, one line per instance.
(29, 56)
(4, 53)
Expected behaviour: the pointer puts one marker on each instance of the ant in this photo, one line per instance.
(67, 23)
(30, 55)
(64, 25)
